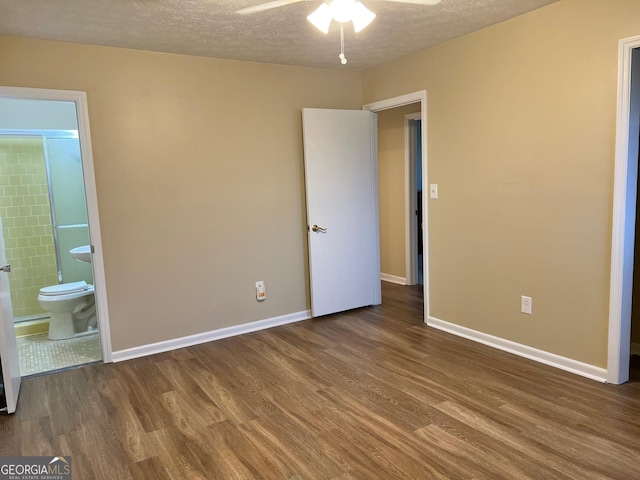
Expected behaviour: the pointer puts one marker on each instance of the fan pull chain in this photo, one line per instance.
(343, 59)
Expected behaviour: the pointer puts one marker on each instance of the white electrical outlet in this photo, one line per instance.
(526, 305)
(261, 294)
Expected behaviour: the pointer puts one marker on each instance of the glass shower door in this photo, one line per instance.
(68, 207)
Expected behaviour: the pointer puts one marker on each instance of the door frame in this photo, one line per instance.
(623, 227)
(400, 101)
(95, 237)
(410, 202)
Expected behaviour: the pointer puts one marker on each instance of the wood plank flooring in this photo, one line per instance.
(367, 394)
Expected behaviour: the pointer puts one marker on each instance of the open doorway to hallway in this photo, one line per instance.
(623, 307)
(634, 156)
(400, 191)
(413, 192)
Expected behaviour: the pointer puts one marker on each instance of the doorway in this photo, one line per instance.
(625, 195)
(413, 192)
(50, 208)
(415, 103)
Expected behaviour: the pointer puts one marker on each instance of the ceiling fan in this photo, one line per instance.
(342, 11)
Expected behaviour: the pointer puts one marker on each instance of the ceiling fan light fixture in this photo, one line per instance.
(343, 10)
(362, 17)
(321, 18)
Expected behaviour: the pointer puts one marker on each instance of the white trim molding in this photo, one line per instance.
(541, 356)
(399, 101)
(623, 227)
(385, 277)
(198, 338)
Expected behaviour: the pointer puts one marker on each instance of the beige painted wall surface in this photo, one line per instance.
(521, 125)
(199, 175)
(391, 189)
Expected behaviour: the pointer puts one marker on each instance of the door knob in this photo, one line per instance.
(316, 228)
(6, 268)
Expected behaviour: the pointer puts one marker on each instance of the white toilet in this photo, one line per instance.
(72, 308)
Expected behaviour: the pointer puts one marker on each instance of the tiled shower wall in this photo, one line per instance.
(26, 221)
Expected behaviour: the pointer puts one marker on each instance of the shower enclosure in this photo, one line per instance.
(68, 205)
(44, 212)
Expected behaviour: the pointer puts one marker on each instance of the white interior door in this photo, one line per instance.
(341, 173)
(8, 347)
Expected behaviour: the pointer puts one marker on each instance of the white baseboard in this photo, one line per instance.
(385, 277)
(635, 349)
(204, 337)
(563, 363)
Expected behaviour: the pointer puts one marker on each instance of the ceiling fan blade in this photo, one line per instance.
(267, 6)
(416, 2)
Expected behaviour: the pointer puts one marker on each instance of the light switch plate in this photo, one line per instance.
(526, 305)
(433, 190)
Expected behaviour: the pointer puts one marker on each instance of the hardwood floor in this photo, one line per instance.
(368, 394)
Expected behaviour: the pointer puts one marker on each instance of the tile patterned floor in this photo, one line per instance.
(39, 354)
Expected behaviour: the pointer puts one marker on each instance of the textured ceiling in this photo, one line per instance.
(283, 35)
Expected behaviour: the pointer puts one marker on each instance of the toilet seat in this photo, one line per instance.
(64, 289)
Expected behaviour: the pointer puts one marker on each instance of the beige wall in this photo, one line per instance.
(199, 175)
(391, 187)
(521, 123)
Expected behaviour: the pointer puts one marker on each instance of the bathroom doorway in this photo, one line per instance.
(50, 227)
